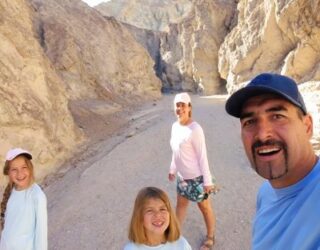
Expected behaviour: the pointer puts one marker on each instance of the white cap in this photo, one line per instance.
(13, 153)
(182, 97)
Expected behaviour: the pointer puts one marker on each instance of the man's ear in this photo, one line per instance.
(308, 122)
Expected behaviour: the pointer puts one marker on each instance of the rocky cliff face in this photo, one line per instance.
(311, 95)
(187, 56)
(154, 15)
(34, 103)
(96, 56)
(278, 36)
(190, 48)
(63, 56)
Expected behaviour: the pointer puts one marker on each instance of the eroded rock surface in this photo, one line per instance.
(63, 56)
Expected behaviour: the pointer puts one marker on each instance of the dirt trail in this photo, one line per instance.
(90, 205)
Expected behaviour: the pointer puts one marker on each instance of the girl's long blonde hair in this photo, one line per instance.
(136, 230)
(9, 187)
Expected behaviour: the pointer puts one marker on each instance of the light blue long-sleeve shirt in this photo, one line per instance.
(25, 220)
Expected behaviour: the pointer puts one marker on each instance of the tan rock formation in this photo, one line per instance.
(33, 103)
(57, 55)
(311, 95)
(147, 14)
(191, 47)
(96, 57)
(278, 36)
(188, 54)
(150, 40)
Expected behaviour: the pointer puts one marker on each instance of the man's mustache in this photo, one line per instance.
(270, 142)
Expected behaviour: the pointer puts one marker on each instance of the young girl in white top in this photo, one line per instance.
(154, 224)
(23, 207)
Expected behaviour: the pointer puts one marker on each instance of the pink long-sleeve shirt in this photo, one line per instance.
(189, 152)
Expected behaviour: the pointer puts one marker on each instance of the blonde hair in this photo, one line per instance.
(136, 230)
(9, 187)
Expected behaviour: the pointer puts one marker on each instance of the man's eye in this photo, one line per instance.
(277, 116)
(248, 122)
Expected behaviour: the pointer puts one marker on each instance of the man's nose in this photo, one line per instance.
(264, 130)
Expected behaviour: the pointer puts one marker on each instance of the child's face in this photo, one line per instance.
(19, 173)
(156, 219)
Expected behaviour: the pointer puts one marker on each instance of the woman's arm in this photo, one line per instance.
(199, 145)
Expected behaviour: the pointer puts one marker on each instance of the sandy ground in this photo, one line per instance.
(90, 200)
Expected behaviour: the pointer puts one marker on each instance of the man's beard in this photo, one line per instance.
(269, 164)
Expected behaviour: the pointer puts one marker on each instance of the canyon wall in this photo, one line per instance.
(189, 43)
(63, 63)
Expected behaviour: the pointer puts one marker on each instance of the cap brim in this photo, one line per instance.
(29, 156)
(181, 101)
(236, 101)
(18, 153)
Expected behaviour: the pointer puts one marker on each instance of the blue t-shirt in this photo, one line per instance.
(289, 218)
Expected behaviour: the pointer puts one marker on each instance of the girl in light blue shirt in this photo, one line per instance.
(23, 207)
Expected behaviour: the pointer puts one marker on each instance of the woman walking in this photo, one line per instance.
(190, 166)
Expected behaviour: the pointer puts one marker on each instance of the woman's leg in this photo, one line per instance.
(181, 209)
(209, 216)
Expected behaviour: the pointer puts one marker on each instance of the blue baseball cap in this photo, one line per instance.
(265, 83)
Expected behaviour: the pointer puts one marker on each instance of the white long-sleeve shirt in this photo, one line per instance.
(25, 220)
(189, 152)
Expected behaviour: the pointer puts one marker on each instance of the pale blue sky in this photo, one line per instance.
(94, 2)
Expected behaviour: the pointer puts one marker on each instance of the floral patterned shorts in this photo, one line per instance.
(191, 189)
